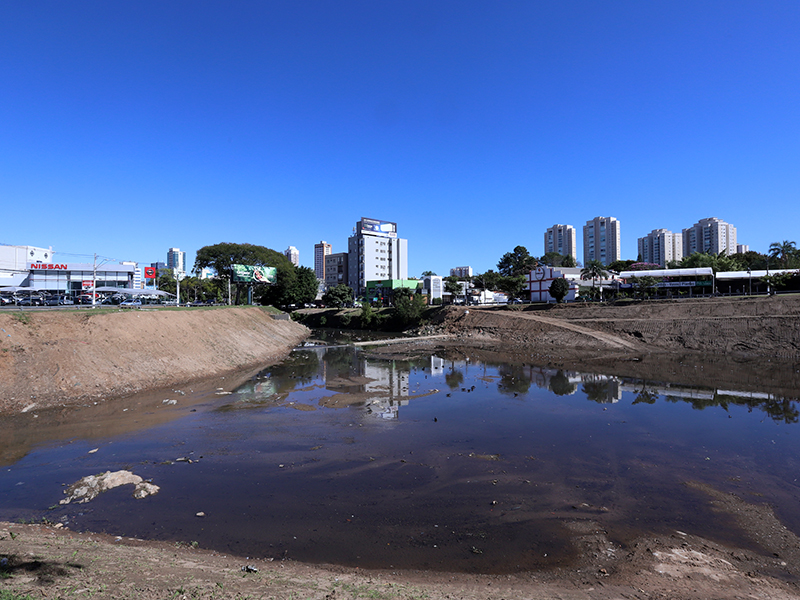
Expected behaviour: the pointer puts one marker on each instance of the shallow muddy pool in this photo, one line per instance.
(331, 457)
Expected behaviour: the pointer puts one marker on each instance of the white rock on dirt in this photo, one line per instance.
(91, 486)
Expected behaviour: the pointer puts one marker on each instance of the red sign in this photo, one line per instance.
(149, 272)
(87, 284)
(49, 266)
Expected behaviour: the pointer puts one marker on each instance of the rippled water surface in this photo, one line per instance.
(435, 464)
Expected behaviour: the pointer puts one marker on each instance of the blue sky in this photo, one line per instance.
(130, 127)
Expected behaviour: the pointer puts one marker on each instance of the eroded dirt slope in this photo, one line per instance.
(52, 357)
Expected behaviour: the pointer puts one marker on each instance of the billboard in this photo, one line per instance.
(376, 227)
(254, 274)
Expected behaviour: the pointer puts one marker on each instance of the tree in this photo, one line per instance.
(554, 259)
(488, 280)
(750, 260)
(428, 274)
(644, 285)
(452, 286)
(559, 289)
(618, 266)
(221, 257)
(516, 263)
(593, 270)
(783, 252)
(718, 262)
(305, 286)
(560, 384)
(512, 286)
(338, 296)
(777, 280)
(408, 306)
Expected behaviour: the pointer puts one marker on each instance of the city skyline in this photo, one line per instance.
(474, 126)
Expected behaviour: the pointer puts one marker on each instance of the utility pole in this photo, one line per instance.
(94, 281)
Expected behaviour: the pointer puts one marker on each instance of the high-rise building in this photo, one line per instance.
(375, 253)
(461, 272)
(661, 246)
(176, 260)
(710, 236)
(601, 240)
(321, 250)
(293, 254)
(562, 239)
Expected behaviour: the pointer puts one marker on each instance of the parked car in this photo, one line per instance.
(130, 303)
(30, 301)
(66, 301)
(5, 300)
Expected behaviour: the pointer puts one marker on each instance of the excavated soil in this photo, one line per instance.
(752, 342)
(51, 357)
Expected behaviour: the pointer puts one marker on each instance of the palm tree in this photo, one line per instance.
(593, 270)
(783, 251)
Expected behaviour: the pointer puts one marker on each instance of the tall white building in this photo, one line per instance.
(710, 236)
(375, 253)
(321, 250)
(661, 246)
(562, 239)
(176, 260)
(293, 254)
(601, 240)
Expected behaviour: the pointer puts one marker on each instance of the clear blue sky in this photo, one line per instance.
(127, 127)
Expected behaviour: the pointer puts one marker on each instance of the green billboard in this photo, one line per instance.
(254, 274)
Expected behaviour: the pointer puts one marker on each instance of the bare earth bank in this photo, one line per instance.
(47, 562)
(50, 358)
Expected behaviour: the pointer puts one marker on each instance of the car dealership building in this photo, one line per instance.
(29, 269)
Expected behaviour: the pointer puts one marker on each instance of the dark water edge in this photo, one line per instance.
(428, 463)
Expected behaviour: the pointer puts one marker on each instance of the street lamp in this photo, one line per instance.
(750, 275)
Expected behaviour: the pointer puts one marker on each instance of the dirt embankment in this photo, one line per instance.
(764, 326)
(753, 344)
(54, 357)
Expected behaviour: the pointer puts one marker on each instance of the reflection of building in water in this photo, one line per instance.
(387, 378)
(389, 383)
(437, 365)
(601, 388)
(666, 389)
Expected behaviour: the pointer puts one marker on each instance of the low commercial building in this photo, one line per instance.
(432, 286)
(541, 278)
(382, 292)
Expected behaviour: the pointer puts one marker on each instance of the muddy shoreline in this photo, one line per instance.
(50, 562)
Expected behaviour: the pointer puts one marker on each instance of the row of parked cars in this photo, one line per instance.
(21, 299)
(62, 300)
(35, 300)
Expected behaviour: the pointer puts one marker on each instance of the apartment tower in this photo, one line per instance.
(562, 239)
(321, 250)
(710, 236)
(660, 246)
(601, 240)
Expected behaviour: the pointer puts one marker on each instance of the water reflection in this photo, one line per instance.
(344, 377)
(334, 456)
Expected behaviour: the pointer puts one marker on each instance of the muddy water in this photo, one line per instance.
(428, 464)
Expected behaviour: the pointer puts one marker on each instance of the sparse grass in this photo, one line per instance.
(22, 318)
(9, 595)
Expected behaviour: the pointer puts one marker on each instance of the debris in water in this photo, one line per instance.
(91, 486)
